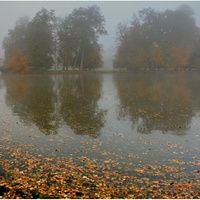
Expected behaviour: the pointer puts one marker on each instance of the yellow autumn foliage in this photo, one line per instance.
(17, 61)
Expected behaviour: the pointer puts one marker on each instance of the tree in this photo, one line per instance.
(17, 37)
(67, 44)
(123, 58)
(17, 61)
(79, 34)
(195, 54)
(55, 46)
(15, 46)
(140, 59)
(40, 40)
(157, 40)
(156, 57)
(93, 56)
(35, 38)
(47, 42)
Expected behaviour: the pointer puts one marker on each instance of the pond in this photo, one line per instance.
(96, 135)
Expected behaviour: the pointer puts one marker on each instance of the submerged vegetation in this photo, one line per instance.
(36, 177)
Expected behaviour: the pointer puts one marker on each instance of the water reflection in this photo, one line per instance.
(78, 97)
(48, 101)
(164, 102)
(32, 99)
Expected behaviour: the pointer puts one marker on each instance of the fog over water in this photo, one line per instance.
(113, 11)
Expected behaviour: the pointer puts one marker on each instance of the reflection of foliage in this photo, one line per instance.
(155, 103)
(1, 82)
(31, 99)
(37, 100)
(79, 97)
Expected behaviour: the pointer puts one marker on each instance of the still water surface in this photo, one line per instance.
(127, 123)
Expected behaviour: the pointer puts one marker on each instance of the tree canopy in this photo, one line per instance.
(78, 35)
(152, 40)
(40, 40)
(48, 41)
(158, 40)
(17, 61)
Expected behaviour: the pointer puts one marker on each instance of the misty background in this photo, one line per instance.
(113, 11)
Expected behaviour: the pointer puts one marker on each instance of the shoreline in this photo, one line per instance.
(51, 72)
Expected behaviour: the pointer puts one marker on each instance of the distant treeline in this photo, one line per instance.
(168, 40)
(47, 41)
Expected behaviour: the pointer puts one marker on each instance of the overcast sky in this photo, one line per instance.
(113, 11)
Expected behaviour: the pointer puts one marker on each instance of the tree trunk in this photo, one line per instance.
(82, 60)
(64, 63)
(76, 58)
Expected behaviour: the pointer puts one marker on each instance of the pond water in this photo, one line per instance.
(100, 135)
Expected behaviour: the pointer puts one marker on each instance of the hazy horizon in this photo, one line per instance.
(113, 11)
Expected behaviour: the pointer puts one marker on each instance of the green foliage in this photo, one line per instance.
(78, 35)
(40, 40)
(34, 38)
(158, 40)
(15, 46)
(47, 42)
(17, 37)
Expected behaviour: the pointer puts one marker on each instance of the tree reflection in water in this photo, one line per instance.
(158, 101)
(31, 98)
(79, 96)
(152, 101)
(47, 101)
